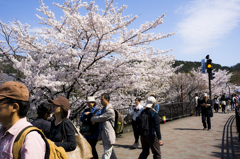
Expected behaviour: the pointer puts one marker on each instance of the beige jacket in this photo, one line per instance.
(107, 133)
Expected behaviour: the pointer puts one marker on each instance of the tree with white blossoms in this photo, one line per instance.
(197, 82)
(85, 55)
(193, 82)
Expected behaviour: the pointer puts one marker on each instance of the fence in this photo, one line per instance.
(170, 111)
(237, 113)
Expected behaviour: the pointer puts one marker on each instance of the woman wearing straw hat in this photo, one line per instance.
(92, 132)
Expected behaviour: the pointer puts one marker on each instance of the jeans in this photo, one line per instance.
(216, 107)
(135, 131)
(206, 114)
(232, 105)
(198, 110)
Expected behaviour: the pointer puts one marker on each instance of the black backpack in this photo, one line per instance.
(143, 125)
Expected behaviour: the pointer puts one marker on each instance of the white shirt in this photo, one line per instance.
(196, 101)
(136, 113)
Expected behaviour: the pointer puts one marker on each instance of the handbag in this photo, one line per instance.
(83, 149)
(211, 113)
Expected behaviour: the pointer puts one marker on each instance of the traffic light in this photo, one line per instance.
(209, 65)
(212, 75)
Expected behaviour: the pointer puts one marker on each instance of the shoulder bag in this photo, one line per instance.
(83, 149)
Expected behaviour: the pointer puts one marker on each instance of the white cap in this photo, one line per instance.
(91, 99)
(204, 94)
(150, 101)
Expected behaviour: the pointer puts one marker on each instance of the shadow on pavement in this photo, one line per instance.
(185, 129)
(124, 146)
(230, 147)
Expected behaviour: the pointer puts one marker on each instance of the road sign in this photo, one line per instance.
(203, 65)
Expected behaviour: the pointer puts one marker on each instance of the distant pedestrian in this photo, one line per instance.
(223, 101)
(206, 105)
(14, 105)
(136, 111)
(92, 135)
(196, 103)
(153, 140)
(216, 103)
(107, 132)
(61, 125)
(41, 122)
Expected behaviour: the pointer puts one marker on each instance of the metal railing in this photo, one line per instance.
(171, 111)
(237, 113)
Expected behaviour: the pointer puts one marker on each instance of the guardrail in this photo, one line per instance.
(237, 113)
(171, 111)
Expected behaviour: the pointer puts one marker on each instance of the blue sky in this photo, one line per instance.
(202, 26)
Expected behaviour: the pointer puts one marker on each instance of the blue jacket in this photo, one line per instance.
(156, 108)
(95, 136)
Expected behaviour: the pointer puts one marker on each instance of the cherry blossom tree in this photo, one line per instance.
(86, 55)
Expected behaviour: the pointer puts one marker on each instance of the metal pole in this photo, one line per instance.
(182, 99)
(209, 80)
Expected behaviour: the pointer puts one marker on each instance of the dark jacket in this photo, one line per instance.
(56, 134)
(42, 124)
(88, 118)
(154, 123)
(208, 101)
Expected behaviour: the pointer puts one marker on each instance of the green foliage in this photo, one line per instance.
(189, 65)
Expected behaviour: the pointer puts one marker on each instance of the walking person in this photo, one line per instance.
(206, 105)
(92, 135)
(136, 111)
(197, 106)
(41, 122)
(216, 103)
(14, 105)
(61, 125)
(153, 140)
(107, 133)
(223, 101)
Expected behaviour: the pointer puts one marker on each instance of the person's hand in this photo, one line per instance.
(86, 113)
(160, 142)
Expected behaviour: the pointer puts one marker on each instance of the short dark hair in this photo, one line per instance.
(43, 109)
(138, 99)
(196, 94)
(23, 106)
(106, 96)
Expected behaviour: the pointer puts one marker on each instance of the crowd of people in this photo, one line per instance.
(204, 106)
(98, 124)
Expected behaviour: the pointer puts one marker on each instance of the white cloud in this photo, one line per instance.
(205, 22)
(34, 29)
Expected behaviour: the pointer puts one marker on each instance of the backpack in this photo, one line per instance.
(118, 124)
(143, 125)
(52, 151)
(87, 128)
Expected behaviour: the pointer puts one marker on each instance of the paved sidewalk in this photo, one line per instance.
(185, 139)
